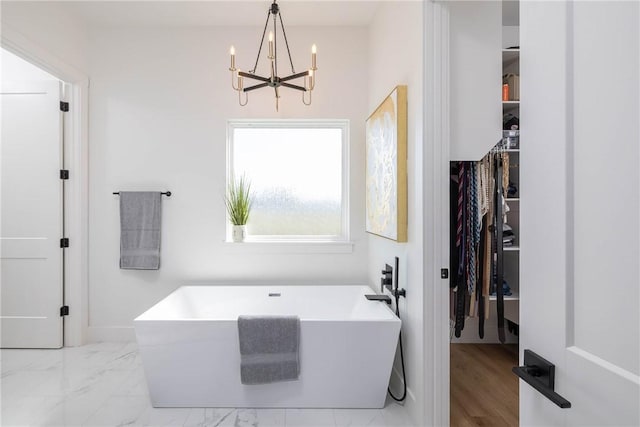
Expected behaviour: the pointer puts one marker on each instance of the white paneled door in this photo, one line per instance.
(31, 216)
(580, 223)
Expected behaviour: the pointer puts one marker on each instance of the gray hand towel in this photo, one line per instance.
(269, 348)
(140, 220)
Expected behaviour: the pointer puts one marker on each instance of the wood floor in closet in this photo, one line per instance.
(484, 391)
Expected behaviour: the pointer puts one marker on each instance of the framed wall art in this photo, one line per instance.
(386, 167)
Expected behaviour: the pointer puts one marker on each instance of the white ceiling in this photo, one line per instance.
(221, 13)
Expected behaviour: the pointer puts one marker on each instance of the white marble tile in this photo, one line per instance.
(158, 417)
(309, 418)
(101, 382)
(134, 385)
(211, 417)
(12, 360)
(67, 412)
(195, 418)
(246, 418)
(360, 418)
(21, 383)
(20, 411)
(104, 384)
(118, 411)
(396, 415)
(271, 417)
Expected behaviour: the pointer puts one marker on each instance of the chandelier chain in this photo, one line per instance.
(255, 67)
(284, 33)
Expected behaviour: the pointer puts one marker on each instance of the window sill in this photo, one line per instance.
(290, 247)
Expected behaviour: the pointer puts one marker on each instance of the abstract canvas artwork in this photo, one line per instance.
(386, 167)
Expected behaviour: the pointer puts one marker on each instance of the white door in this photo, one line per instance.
(580, 197)
(31, 216)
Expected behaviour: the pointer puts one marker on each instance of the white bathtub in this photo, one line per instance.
(191, 357)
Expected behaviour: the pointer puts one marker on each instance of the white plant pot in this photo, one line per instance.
(239, 233)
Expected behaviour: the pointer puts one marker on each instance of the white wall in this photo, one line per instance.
(15, 68)
(475, 63)
(395, 55)
(50, 27)
(160, 100)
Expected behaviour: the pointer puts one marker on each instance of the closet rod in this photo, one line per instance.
(164, 193)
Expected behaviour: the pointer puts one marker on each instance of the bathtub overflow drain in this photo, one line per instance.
(274, 294)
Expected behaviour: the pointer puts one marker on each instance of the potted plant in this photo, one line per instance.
(238, 201)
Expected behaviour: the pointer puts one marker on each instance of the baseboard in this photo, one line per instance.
(400, 381)
(110, 334)
(414, 410)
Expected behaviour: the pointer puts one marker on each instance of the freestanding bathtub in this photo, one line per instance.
(191, 357)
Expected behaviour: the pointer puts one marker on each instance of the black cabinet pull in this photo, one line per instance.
(539, 373)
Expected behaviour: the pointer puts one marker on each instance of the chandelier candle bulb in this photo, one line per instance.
(313, 57)
(270, 44)
(232, 51)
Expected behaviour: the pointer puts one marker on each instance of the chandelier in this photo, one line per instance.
(273, 80)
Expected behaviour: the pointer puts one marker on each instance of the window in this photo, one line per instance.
(299, 177)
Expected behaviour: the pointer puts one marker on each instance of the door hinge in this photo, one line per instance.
(64, 242)
(444, 273)
(64, 106)
(64, 310)
(64, 174)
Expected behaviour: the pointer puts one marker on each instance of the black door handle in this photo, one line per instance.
(539, 373)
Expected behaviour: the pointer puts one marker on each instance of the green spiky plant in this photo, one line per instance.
(238, 200)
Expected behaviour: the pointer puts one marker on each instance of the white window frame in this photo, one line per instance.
(341, 124)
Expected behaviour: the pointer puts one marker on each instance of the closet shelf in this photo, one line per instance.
(513, 297)
(512, 199)
(510, 102)
(511, 248)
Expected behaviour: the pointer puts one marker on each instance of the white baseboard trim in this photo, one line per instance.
(110, 334)
(413, 410)
(398, 380)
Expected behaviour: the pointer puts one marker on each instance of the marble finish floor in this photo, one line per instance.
(103, 385)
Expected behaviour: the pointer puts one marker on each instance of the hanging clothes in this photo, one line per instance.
(478, 207)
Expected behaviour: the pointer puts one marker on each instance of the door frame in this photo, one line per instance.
(436, 211)
(76, 189)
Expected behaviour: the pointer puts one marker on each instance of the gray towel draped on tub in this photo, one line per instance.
(269, 348)
(140, 220)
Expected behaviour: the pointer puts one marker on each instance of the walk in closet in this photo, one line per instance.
(485, 212)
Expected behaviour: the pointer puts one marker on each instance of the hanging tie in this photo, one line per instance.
(474, 231)
(460, 204)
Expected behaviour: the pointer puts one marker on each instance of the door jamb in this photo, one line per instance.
(436, 207)
(76, 153)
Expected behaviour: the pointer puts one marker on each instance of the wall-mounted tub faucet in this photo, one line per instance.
(387, 281)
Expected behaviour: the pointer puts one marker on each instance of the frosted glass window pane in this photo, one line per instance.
(296, 176)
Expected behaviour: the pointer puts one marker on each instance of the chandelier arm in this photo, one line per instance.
(304, 100)
(261, 41)
(233, 85)
(254, 76)
(259, 86)
(295, 76)
(284, 33)
(246, 99)
(294, 86)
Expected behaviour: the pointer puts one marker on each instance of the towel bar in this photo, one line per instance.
(164, 193)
